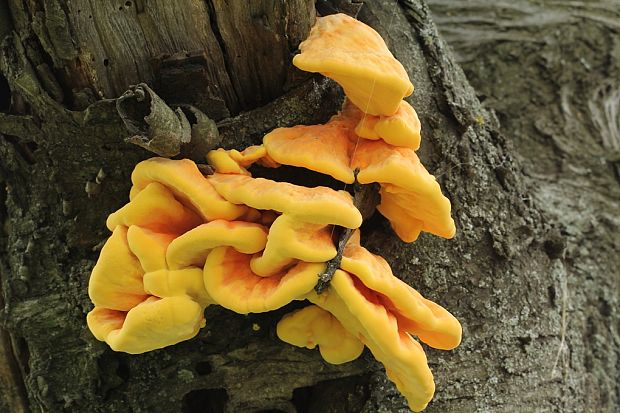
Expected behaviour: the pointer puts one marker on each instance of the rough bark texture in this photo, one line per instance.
(551, 71)
(532, 274)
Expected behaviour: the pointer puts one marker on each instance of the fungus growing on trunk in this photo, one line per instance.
(323, 148)
(384, 313)
(410, 197)
(319, 205)
(229, 279)
(154, 207)
(289, 240)
(187, 240)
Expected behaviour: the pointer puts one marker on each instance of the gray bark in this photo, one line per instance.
(551, 72)
(533, 273)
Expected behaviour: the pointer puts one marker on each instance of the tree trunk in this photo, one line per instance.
(533, 274)
(551, 72)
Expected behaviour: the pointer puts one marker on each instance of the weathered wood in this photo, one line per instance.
(229, 55)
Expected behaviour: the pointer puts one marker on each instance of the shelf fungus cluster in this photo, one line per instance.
(187, 240)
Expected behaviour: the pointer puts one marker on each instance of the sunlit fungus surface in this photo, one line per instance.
(186, 240)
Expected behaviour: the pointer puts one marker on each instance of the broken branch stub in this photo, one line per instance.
(156, 127)
(204, 134)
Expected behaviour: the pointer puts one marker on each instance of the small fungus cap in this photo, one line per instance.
(249, 155)
(355, 56)
(407, 184)
(192, 248)
(188, 185)
(156, 208)
(290, 239)
(400, 129)
(223, 163)
(312, 326)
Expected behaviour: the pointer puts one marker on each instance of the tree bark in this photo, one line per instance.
(551, 73)
(532, 273)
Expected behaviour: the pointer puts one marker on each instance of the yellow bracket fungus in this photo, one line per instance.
(431, 323)
(116, 280)
(322, 148)
(188, 185)
(363, 315)
(140, 305)
(149, 246)
(355, 56)
(152, 324)
(400, 129)
(221, 160)
(411, 198)
(154, 207)
(187, 240)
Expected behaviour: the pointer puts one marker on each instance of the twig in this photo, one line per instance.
(332, 265)
(366, 198)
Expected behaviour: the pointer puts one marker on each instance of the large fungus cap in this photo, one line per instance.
(400, 129)
(232, 284)
(140, 305)
(188, 185)
(152, 324)
(192, 248)
(366, 317)
(355, 56)
(405, 183)
(290, 239)
(156, 208)
(319, 205)
(116, 279)
(312, 326)
(322, 148)
(430, 322)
